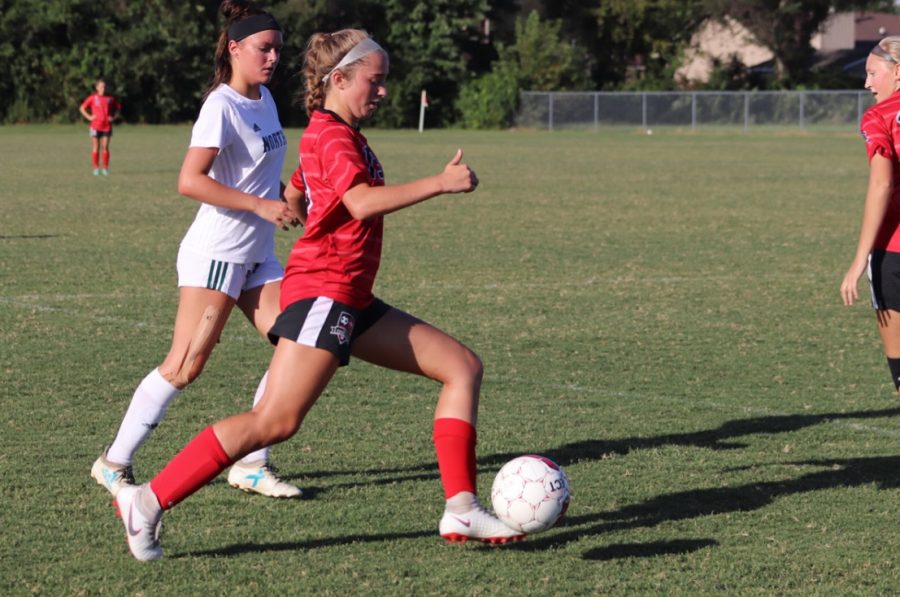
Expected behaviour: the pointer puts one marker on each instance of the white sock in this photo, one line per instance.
(461, 503)
(148, 407)
(263, 453)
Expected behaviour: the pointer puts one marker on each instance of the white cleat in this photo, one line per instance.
(110, 475)
(141, 532)
(262, 478)
(477, 524)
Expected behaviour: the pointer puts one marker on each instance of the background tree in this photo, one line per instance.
(787, 28)
(541, 59)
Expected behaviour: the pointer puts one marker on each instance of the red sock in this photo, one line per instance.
(197, 464)
(105, 159)
(95, 158)
(454, 443)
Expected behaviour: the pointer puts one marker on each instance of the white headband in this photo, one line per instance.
(360, 50)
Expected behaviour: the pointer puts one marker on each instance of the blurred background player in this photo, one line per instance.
(331, 313)
(878, 249)
(227, 258)
(100, 110)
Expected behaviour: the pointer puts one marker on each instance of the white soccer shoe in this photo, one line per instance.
(262, 478)
(477, 524)
(141, 531)
(110, 475)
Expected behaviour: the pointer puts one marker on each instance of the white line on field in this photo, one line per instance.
(79, 313)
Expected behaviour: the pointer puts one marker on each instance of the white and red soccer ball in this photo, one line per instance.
(530, 493)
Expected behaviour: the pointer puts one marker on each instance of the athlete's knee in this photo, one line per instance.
(465, 368)
(472, 365)
(274, 428)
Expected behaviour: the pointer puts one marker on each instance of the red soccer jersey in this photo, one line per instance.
(101, 107)
(337, 256)
(880, 128)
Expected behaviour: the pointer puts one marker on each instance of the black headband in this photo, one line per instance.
(252, 24)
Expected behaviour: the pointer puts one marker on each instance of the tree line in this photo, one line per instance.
(472, 56)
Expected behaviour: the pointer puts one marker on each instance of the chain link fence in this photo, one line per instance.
(746, 109)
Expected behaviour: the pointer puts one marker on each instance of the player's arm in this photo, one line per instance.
(364, 201)
(194, 182)
(296, 200)
(878, 195)
(85, 113)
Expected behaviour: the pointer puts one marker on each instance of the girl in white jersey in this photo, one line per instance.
(227, 258)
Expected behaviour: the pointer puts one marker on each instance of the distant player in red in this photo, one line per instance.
(100, 109)
(878, 249)
(329, 310)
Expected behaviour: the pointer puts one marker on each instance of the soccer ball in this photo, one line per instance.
(530, 493)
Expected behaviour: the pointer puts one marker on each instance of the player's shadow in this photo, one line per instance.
(648, 550)
(242, 548)
(884, 472)
(720, 438)
(881, 471)
(28, 236)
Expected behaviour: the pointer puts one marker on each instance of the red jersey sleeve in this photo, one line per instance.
(342, 161)
(87, 101)
(297, 179)
(877, 135)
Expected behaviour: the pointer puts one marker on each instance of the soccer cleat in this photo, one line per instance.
(96, 172)
(262, 478)
(110, 475)
(104, 172)
(141, 532)
(477, 524)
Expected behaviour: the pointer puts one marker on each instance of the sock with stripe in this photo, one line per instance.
(198, 463)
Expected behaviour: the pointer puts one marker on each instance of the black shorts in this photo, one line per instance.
(325, 323)
(884, 279)
(97, 134)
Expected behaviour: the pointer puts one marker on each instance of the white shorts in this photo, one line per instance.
(199, 271)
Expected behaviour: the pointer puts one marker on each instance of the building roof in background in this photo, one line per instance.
(872, 26)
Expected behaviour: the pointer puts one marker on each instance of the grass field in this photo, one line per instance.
(658, 314)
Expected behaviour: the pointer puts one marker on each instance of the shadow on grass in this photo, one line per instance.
(647, 550)
(28, 236)
(713, 439)
(567, 454)
(242, 548)
(881, 471)
(884, 472)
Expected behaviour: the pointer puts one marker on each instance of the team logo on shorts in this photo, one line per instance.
(344, 328)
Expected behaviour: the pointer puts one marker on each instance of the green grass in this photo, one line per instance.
(660, 314)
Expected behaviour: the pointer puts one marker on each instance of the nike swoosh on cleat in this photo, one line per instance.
(131, 530)
(461, 521)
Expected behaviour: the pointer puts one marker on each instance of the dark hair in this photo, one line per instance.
(323, 52)
(233, 11)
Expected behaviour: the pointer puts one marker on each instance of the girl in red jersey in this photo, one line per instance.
(329, 310)
(100, 110)
(227, 257)
(878, 249)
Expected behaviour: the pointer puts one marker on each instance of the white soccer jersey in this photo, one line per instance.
(252, 147)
